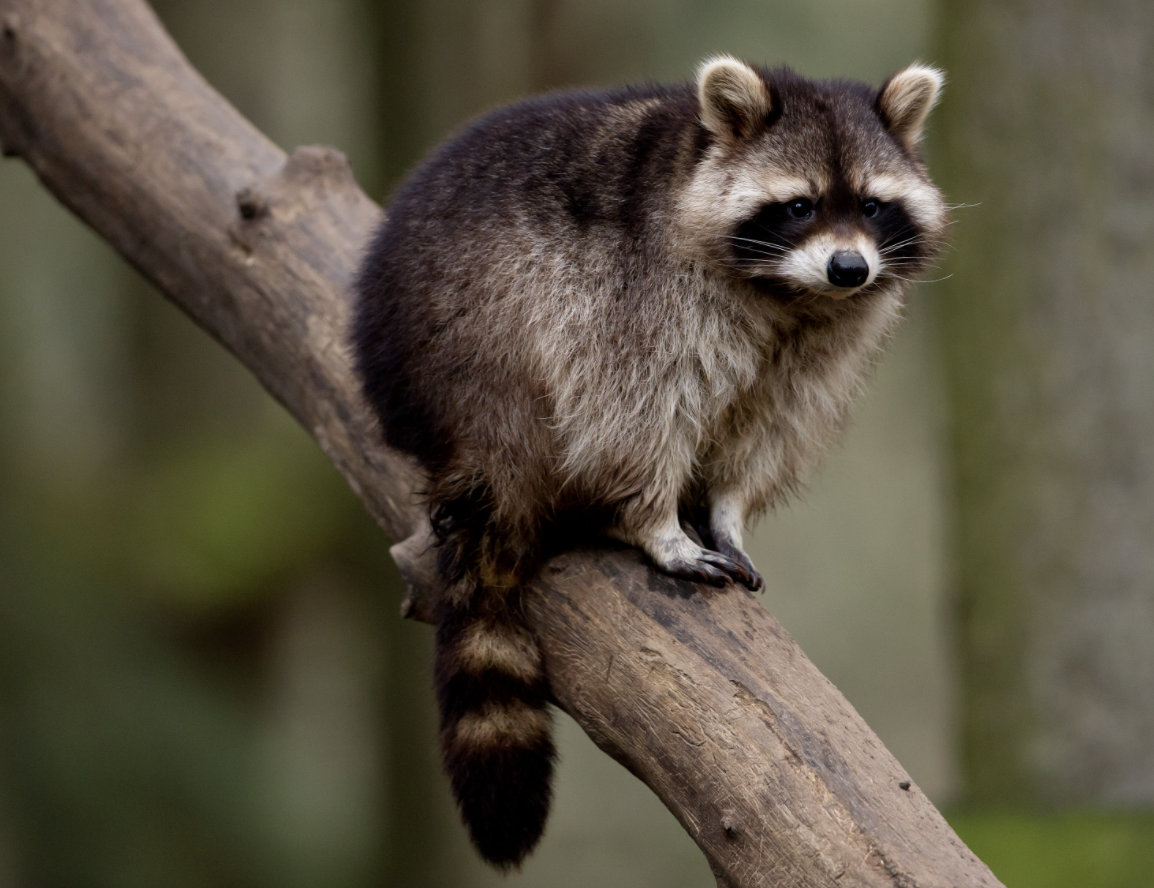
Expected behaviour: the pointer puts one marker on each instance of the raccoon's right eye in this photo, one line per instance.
(801, 208)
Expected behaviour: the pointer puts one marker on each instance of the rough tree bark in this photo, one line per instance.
(700, 693)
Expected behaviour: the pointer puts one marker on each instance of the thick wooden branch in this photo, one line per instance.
(700, 693)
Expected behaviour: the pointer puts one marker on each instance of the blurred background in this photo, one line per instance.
(203, 677)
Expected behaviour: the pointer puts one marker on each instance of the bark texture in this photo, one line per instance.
(701, 694)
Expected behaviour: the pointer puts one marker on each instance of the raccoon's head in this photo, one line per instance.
(810, 187)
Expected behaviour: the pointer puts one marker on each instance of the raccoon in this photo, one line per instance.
(644, 311)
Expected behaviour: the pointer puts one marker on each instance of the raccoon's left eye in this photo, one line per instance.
(802, 208)
(870, 207)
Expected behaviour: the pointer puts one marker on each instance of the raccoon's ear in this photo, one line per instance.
(735, 102)
(905, 101)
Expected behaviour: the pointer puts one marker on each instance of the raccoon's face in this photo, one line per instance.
(811, 188)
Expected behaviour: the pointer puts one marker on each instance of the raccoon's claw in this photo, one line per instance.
(746, 574)
(698, 571)
(709, 567)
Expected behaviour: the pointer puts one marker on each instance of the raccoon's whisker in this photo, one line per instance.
(770, 254)
(904, 261)
(901, 262)
(898, 245)
(755, 240)
(756, 259)
(760, 243)
(761, 251)
(762, 257)
(898, 272)
(963, 206)
(917, 280)
(750, 244)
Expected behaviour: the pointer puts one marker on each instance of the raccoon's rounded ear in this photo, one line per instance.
(735, 101)
(906, 99)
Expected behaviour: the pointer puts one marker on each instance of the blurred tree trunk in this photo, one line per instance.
(442, 62)
(1047, 327)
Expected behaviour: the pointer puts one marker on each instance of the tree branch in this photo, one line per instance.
(700, 693)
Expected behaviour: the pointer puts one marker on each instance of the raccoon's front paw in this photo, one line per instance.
(685, 559)
(749, 576)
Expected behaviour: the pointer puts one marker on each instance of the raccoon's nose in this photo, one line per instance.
(847, 268)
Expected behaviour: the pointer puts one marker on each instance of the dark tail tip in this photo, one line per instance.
(504, 797)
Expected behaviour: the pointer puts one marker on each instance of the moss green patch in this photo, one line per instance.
(1029, 850)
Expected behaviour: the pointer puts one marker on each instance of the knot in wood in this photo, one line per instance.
(251, 203)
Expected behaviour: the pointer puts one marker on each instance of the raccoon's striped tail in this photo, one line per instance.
(496, 736)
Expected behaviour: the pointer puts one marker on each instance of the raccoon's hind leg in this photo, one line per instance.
(496, 736)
